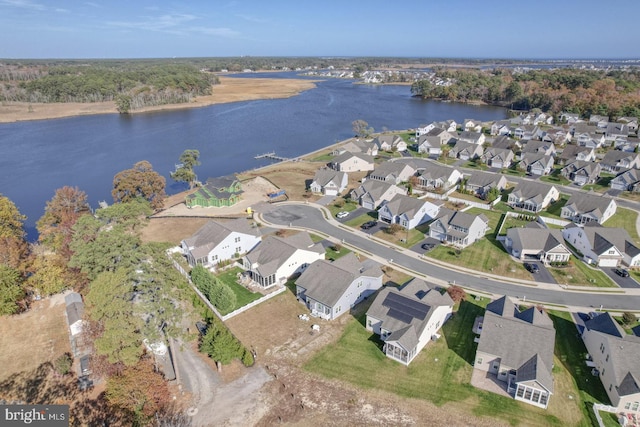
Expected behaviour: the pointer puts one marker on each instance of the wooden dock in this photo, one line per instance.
(272, 155)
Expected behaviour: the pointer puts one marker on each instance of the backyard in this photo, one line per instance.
(446, 366)
(243, 295)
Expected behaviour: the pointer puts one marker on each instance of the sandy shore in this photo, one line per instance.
(230, 89)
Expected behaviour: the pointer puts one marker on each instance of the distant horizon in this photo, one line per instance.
(119, 29)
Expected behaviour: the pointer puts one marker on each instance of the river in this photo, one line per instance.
(38, 157)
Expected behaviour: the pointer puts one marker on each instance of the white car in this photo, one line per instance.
(342, 214)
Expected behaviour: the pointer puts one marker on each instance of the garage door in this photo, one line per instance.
(608, 262)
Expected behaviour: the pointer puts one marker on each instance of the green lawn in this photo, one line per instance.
(325, 158)
(403, 238)
(441, 373)
(492, 216)
(601, 185)
(555, 177)
(359, 220)
(513, 222)
(243, 295)
(555, 209)
(625, 218)
(340, 204)
(580, 274)
(331, 254)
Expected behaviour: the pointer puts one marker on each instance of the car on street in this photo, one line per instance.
(342, 214)
(622, 272)
(531, 268)
(369, 224)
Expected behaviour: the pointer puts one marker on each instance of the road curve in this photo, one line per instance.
(310, 217)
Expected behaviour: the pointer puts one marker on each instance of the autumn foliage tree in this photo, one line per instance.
(14, 251)
(140, 181)
(456, 293)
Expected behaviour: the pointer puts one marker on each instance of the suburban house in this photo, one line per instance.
(390, 143)
(536, 163)
(352, 162)
(220, 241)
(458, 228)
(589, 139)
(216, 192)
(481, 182)
(540, 147)
(406, 319)
(393, 172)
(504, 141)
(466, 151)
(532, 196)
(275, 259)
(438, 177)
(615, 131)
(329, 182)
(536, 242)
(472, 125)
(570, 118)
(424, 129)
(583, 208)
(443, 136)
(576, 152)
(599, 121)
(429, 145)
(558, 136)
(330, 289)
(517, 347)
(372, 193)
(527, 132)
(631, 122)
(615, 356)
(501, 127)
(408, 211)
(580, 172)
(472, 137)
(497, 157)
(626, 180)
(603, 246)
(356, 146)
(615, 160)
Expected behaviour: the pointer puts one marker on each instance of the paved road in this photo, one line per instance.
(311, 218)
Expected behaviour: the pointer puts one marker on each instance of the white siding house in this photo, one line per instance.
(408, 211)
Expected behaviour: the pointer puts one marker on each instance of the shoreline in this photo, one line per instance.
(230, 89)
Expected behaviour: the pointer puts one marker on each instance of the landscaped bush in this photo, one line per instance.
(456, 293)
(393, 229)
(628, 318)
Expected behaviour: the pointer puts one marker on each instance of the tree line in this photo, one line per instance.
(612, 93)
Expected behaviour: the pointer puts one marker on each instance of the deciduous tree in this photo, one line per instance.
(361, 128)
(185, 173)
(140, 181)
(14, 251)
(49, 275)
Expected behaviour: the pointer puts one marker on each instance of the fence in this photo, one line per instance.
(554, 221)
(212, 307)
(597, 407)
(485, 206)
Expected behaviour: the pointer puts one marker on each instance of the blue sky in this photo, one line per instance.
(412, 28)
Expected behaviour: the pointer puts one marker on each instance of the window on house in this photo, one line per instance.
(237, 239)
(634, 407)
(543, 399)
(369, 322)
(536, 396)
(239, 249)
(610, 387)
(527, 394)
(627, 405)
(520, 392)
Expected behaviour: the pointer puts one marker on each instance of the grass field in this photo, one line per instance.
(625, 218)
(243, 295)
(441, 373)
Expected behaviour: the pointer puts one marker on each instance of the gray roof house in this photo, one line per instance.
(390, 142)
(481, 182)
(393, 172)
(330, 289)
(533, 196)
(576, 152)
(275, 259)
(219, 241)
(536, 242)
(352, 162)
(372, 193)
(406, 319)
(357, 146)
(477, 138)
(464, 150)
(408, 211)
(581, 172)
(615, 160)
(626, 180)
(615, 356)
(495, 157)
(436, 176)
(458, 228)
(503, 141)
(329, 182)
(517, 347)
(540, 147)
(604, 246)
(582, 208)
(429, 145)
(536, 163)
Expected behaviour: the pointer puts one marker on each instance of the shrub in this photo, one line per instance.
(63, 364)
(393, 229)
(456, 293)
(247, 358)
(337, 247)
(339, 203)
(628, 318)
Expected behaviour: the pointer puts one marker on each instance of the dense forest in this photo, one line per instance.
(612, 93)
(132, 84)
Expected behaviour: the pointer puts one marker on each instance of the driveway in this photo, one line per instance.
(429, 241)
(543, 274)
(623, 282)
(325, 200)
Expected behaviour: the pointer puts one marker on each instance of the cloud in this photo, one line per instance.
(251, 18)
(92, 4)
(23, 4)
(173, 24)
(223, 32)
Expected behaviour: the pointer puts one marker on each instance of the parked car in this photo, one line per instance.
(622, 272)
(427, 246)
(532, 268)
(369, 224)
(342, 214)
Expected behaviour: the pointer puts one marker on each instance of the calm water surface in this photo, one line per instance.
(37, 157)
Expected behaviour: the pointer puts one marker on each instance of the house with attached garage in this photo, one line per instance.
(390, 143)
(497, 157)
(536, 163)
(481, 182)
(330, 289)
(429, 145)
(357, 146)
(443, 136)
(352, 162)
(372, 193)
(536, 242)
(275, 259)
(615, 161)
(540, 147)
(576, 152)
(603, 246)
(218, 241)
(406, 319)
(516, 346)
(504, 141)
(532, 196)
(329, 182)
(472, 125)
(615, 356)
(458, 228)
(466, 151)
(392, 172)
(501, 127)
(438, 177)
(472, 137)
(580, 172)
(631, 122)
(583, 208)
(409, 212)
(626, 180)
